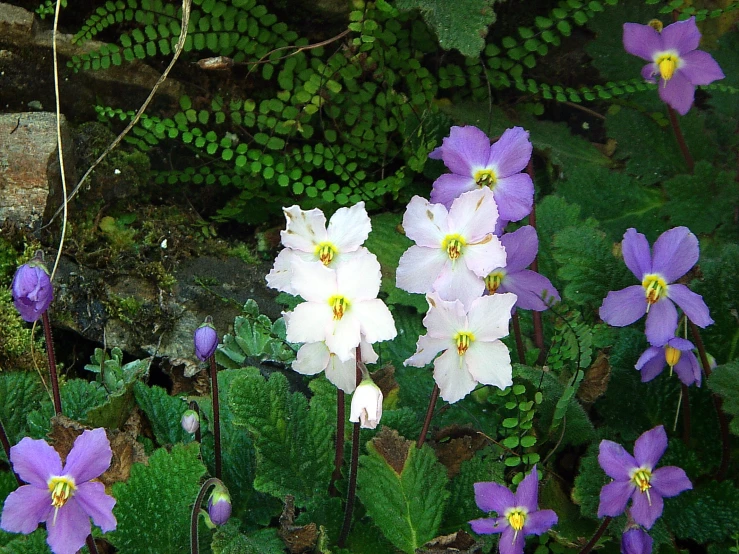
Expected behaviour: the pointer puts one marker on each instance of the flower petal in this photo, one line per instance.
(651, 363)
(482, 258)
(313, 281)
(488, 525)
(427, 348)
(90, 456)
(35, 461)
(678, 93)
(375, 320)
(345, 336)
(661, 322)
(690, 303)
(615, 461)
(515, 196)
(613, 498)
(493, 497)
(457, 282)
(624, 307)
(349, 227)
(688, 370)
(636, 541)
(489, 363)
(521, 247)
(454, 381)
(650, 447)
(511, 153)
(636, 253)
(473, 215)
(700, 68)
(650, 72)
(511, 542)
(312, 358)
(539, 522)
(450, 186)
(670, 481)
(359, 277)
(309, 322)
(99, 506)
(641, 40)
(342, 374)
(444, 318)
(304, 229)
(25, 508)
(419, 267)
(645, 510)
(490, 316)
(465, 147)
(531, 290)
(280, 276)
(67, 533)
(425, 223)
(682, 36)
(527, 493)
(675, 252)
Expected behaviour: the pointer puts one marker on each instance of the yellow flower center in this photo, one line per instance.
(339, 304)
(486, 178)
(641, 479)
(655, 288)
(672, 355)
(62, 489)
(453, 244)
(493, 281)
(463, 340)
(516, 518)
(325, 252)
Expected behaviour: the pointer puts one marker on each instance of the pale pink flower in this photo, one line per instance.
(469, 339)
(315, 357)
(366, 407)
(454, 250)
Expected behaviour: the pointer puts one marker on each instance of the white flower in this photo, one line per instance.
(306, 237)
(469, 338)
(315, 357)
(341, 305)
(366, 404)
(454, 250)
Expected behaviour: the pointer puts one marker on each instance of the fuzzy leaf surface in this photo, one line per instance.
(164, 413)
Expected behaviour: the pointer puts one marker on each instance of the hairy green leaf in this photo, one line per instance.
(164, 413)
(724, 381)
(20, 392)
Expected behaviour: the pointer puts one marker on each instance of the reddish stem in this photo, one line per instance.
(598, 534)
(216, 415)
(52, 364)
(519, 341)
(538, 327)
(352, 491)
(429, 415)
(675, 124)
(339, 453)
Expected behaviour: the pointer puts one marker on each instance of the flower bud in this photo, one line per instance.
(636, 541)
(32, 290)
(206, 340)
(190, 421)
(366, 404)
(219, 505)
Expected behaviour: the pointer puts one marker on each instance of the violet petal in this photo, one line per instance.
(515, 196)
(650, 72)
(641, 40)
(636, 541)
(35, 461)
(539, 522)
(613, 498)
(675, 252)
(650, 447)
(97, 504)
(510, 542)
(24, 508)
(670, 481)
(493, 497)
(700, 68)
(654, 366)
(636, 253)
(449, 186)
(521, 247)
(531, 288)
(661, 322)
(690, 303)
(68, 531)
(527, 493)
(678, 93)
(645, 511)
(488, 525)
(511, 152)
(90, 456)
(624, 307)
(615, 461)
(682, 36)
(465, 149)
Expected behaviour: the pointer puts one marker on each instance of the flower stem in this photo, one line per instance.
(339, 453)
(52, 364)
(194, 549)
(686, 413)
(196, 408)
(723, 422)
(216, 414)
(6, 447)
(680, 139)
(429, 415)
(538, 327)
(519, 341)
(352, 491)
(598, 534)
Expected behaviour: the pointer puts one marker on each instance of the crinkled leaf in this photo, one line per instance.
(255, 339)
(710, 512)
(80, 396)
(229, 540)
(463, 27)
(293, 443)
(164, 413)
(153, 506)
(724, 381)
(20, 392)
(407, 507)
(35, 543)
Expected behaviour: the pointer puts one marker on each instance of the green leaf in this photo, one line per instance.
(724, 381)
(293, 442)
(462, 28)
(80, 396)
(20, 393)
(406, 506)
(707, 513)
(164, 413)
(153, 506)
(228, 540)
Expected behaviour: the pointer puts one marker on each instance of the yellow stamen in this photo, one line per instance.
(672, 355)
(453, 244)
(655, 288)
(62, 488)
(463, 339)
(493, 281)
(339, 304)
(516, 519)
(641, 479)
(667, 65)
(656, 24)
(325, 252)
(486, 178)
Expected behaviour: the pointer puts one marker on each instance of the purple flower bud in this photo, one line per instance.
(32, 290)
(190, 421)
(636, 541)
(206, 340)
(219, 505)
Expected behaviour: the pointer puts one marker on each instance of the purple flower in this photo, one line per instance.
(32, 290)
(672, 55)
(636, 541)
(635, 477)
(518, 515)
(678, 354)
(675, 252)
(531, 288)
(65, 498)
(206, 340)
(474, 164)
(219, 505)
